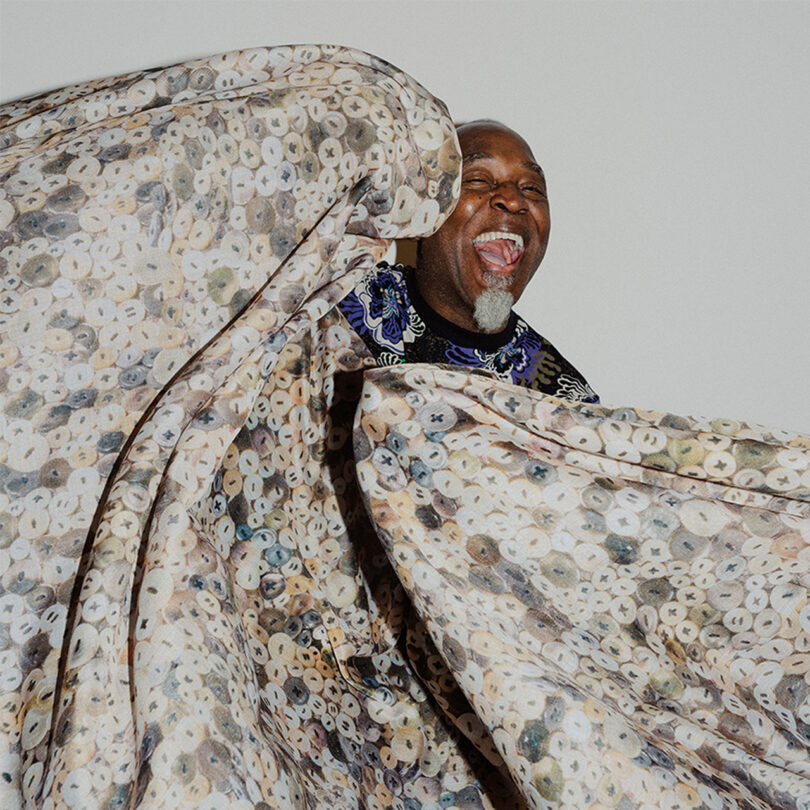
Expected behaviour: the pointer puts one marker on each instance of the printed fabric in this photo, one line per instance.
(621, 595)
(191, 613)
(398, 326)
(508, 601)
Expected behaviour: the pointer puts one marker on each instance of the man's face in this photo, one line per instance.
(496, 236)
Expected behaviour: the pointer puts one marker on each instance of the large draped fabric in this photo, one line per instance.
(195, 609)
(178, 617)
(622, 595)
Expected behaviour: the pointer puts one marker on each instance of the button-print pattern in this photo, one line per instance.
(622, 595)
(185, 614)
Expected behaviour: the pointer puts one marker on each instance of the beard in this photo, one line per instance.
(493, 306)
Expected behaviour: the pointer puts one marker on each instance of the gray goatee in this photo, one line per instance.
(492, 309)
(493, 306)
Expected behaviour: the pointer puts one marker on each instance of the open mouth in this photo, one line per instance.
(499, 249)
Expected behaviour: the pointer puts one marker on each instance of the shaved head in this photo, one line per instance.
(496, 236)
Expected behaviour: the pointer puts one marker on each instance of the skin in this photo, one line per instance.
(502, 189)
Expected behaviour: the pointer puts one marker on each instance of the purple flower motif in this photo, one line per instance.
(379, 307)
(463, 356)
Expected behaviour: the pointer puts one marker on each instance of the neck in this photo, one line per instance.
(444, 301)
(445, 328)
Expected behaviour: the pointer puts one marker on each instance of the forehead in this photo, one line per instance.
(492, 142)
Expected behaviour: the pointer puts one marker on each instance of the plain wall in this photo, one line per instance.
(674, 136)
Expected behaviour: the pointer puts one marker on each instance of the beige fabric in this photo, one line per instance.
(195, 610)
(621, 594)
(183, 619)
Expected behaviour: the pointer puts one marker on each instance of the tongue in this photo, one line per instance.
(498, 251)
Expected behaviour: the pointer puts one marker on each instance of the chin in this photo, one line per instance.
(492, 309)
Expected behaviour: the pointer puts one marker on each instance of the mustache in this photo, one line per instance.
(496, 281)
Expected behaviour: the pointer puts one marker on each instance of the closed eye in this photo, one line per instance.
(538, 191)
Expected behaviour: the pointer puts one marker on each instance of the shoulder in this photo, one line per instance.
(549, 371)
(529, 339)
(381, 280)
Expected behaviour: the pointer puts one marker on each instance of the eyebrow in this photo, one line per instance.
(535, 168)
(476, 156)
(531, 165)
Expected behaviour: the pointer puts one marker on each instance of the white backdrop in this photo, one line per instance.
(674, 136)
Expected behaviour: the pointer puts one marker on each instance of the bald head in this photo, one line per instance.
(496, 236)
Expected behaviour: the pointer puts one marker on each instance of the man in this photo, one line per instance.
(456, 306)
(235, 635)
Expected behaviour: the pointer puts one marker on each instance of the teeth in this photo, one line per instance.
(490, 235)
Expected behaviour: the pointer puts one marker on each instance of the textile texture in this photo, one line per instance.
(180, 620)
(195, 608)
(622, 595)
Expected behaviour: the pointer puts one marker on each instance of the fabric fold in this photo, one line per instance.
(622, 595)
(167, 237)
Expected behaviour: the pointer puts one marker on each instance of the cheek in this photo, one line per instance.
(467, 283)
(451, 235)
(539, 212)
(543, 220)
(461, 216)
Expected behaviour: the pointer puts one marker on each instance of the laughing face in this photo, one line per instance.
(496, 236)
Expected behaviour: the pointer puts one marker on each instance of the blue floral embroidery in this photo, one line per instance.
(463, 356)
(381, 312)
(522, 352)
(379, 307)
(509, 358)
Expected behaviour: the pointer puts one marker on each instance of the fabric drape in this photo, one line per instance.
(171, 240)
(546, 604)
(621, 594)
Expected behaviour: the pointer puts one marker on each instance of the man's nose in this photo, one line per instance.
(508, 197)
